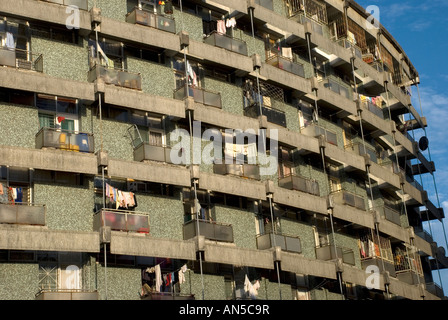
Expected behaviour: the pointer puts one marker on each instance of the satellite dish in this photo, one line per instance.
(423, 143)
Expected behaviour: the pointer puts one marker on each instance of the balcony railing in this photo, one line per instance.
(116, 77)
(200, 96)
(295, 182)
(327, 252)
(347, 198)
(273, 115)
(338, 86)
(120, 220)
(66, 294)
(21, 59)
(423, 234)
(435, 289)
(210, 230)
(314, 130)
(373, 108)
(81, 4)
(23, 213)
(286, 242)
(167, 296)
(268, 4)
(343, 42)
(250, 171)
(391, 215)
(150, 19)
(146, 151)
(223, 41)
(65, 140)
(358, 148)
(287, 65)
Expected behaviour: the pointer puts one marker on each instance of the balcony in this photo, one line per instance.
(327, 253)
(343, 42)
(116, 77)
(223, 41)
(347, 198)
(210, 230)
(295, 182)
(419, 231)
(358, 148)
(200, 96)
(314, 130)
(21, 59)
(146, 151)
(248, 171)
(273, 115)
(65, 140)
(287, 65)
(23, 213)
(373, 108)
(435, 289)
(408, 267)
(377, 251)
(338, 86)
(150, 19)
(167, 296)
(66, 294)
(286, 242)
(120, 220)
(391, 215)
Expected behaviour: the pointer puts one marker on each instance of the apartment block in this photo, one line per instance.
(210, 150)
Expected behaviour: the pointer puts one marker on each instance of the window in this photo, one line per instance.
(110, 55)
(57, 112)
(59, 271)
(285, 165)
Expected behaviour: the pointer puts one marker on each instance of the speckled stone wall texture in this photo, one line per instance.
(291, 112)
(269, 290)
(304, 232)
(122, 283)
(157, 79)
(189, 23)
(20, 127)
(231, 95)
(324, 294)
(308, 67)
(68, 207)
(214, 287)
(243, 223)
(349, 242)
(334, 128)
(73, 58)
(113, 9)
(254, 45)
(166, 215)
(279, 7)
(18, 281)
(115, 138)
(309, 170)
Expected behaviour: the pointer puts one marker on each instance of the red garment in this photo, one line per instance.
(168, 279)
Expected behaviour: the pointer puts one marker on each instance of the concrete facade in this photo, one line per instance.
(70, 183)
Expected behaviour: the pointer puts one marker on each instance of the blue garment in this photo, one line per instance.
(19, 195)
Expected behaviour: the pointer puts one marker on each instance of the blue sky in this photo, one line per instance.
(421, 28)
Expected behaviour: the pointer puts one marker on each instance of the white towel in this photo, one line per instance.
(158, 277)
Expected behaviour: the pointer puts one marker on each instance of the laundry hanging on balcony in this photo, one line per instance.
(10, 43)
(10, 195)
(121, 199)
(378, 100)
(251, 289)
